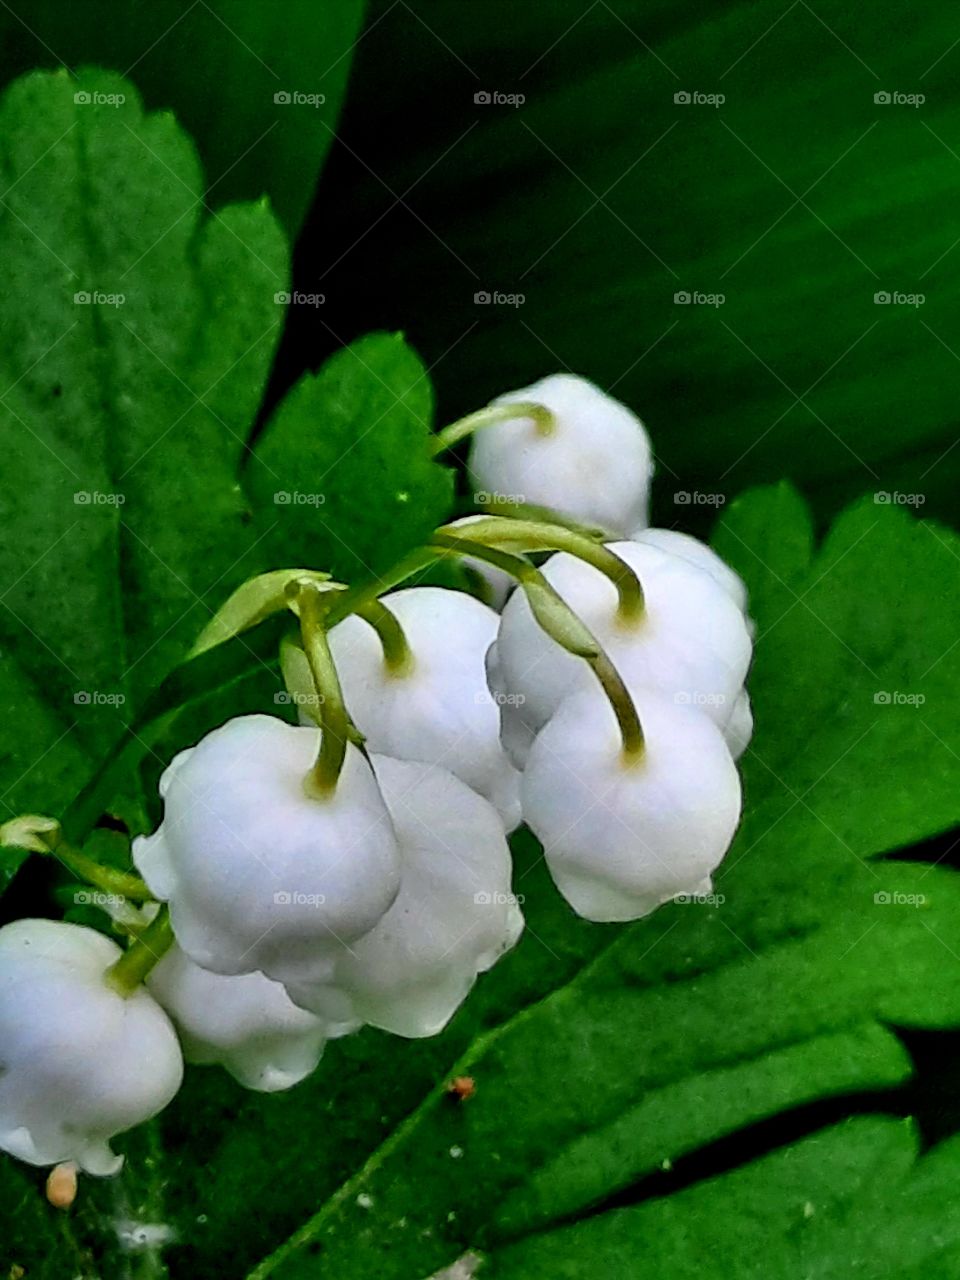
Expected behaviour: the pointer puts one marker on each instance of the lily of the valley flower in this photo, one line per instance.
(454, 917)
(691, 642)
(80, 1061)
(698, 553)
(436, 708)
(259, 874)
(247, 1023)
(622, 836)
(591, 459)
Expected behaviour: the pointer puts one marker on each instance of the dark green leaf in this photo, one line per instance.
(218, 66)
(600, 197)
(135, 338)
(857, 1199)
(343, 478)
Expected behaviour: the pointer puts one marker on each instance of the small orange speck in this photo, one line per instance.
(462, 1088)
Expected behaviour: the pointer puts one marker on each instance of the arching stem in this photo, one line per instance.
(545, 515)
(397, 654)
(543, 421)
(41, 834)
(121, 884)
(322, 779)
(126, 974)
(542, 535)
(560, 622)
(549, 608)
(357, 598)
(624, 707)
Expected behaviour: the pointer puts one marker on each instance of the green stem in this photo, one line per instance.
(397, 654)
(357, 598)
(560, 622)
(624, 708)
(494, 413)
(126, 974)
(44, 835)
(549, 608)
(546, 515)
(321, 782)
(543, 535)
(448, 541)
(122, 884)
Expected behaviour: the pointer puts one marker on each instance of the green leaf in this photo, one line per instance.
(857, 1199)
(251, 603)
(135, 339)
(599, 197)
(132, 393)
(343, 476)
(250, 143)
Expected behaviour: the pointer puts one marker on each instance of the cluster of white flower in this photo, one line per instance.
(293, 897)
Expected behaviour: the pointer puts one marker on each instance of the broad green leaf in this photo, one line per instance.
(136, 336)
(856, 1199)
(126, 526)
(244, 78)
(351, 449)
(678, 1021)
(600, 197)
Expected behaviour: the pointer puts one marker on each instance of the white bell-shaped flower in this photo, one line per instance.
(80, 1062)
(621, 836)
(439, 710)
(698, 553)
(594, 463)
(246, 1023)
(739, 728)
(454, 917)
(259, 874)
(690, 643)
(518, 726)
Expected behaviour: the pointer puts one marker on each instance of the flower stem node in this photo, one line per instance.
(437, 708)
(691, 644)
(246, 1023)
(621, 837)
(454, 917)
(260, 875)
(594, 465)
(81, 1062)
